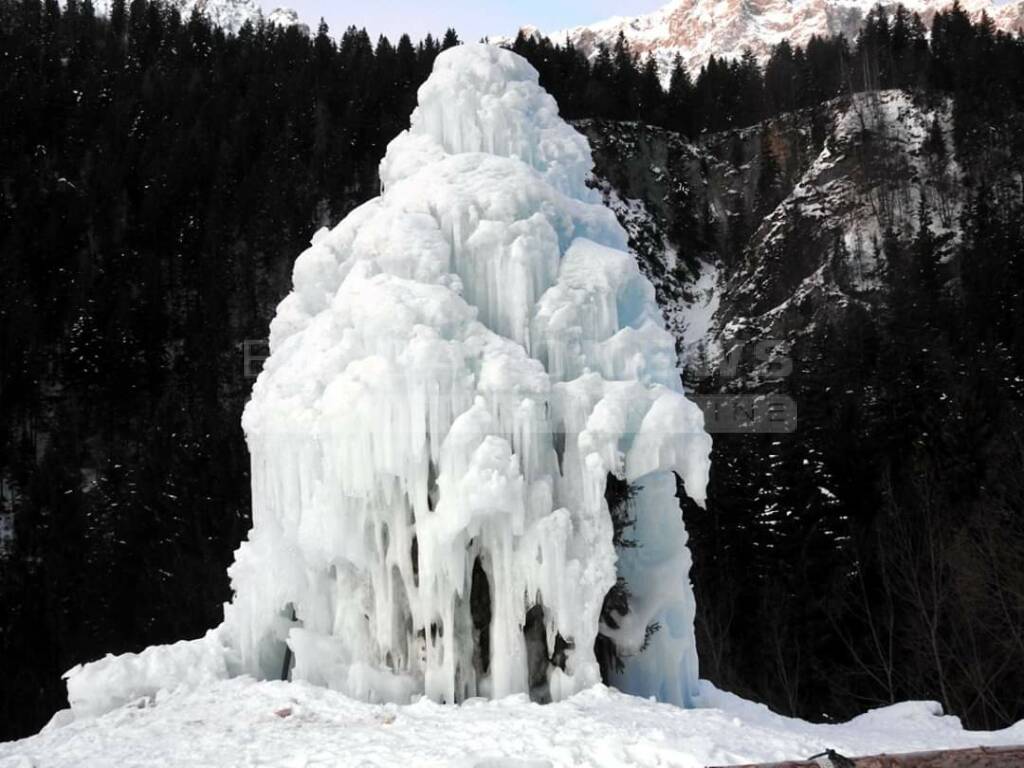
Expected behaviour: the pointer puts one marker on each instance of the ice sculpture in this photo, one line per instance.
(461, 364)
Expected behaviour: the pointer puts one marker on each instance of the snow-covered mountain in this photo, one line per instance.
(698, 29)
(230, 14)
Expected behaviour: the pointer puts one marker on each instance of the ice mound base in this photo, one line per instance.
(461, 365)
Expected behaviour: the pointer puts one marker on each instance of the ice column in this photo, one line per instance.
(461, 363)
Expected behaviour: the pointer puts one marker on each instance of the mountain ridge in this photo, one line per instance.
(697, 30)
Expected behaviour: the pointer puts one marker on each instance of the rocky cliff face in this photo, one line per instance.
(789, 215)
(698, 29)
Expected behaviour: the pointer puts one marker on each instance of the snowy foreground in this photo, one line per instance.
(241, 722)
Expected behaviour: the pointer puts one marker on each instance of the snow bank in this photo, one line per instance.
(460, 365)
(241, 722)
(114, 681)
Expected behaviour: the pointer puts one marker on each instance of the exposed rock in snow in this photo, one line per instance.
(659, 186)
(461, 365)
(699, 29)
(241, 722)
(689, 301)
(816, 253)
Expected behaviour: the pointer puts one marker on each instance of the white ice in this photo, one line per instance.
(460, 365)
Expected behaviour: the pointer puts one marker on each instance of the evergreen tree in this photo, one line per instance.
(118, 18)
(624, 81)
(450, 39)
(781, 79)
(680, 99)
(650, 96)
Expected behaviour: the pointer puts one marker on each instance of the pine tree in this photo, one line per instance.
(118, 18)
(680, 99)
(781, 79)
(624, 80)
(769, 177)
(650, 96)
(925, 249)
(450, 39)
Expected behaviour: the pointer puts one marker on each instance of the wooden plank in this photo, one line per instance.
(978, 757)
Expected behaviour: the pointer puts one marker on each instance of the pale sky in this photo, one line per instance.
(472, 20)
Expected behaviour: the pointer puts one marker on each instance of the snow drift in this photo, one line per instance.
(244, 723)
(461, 365)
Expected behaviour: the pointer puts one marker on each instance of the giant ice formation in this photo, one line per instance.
(461, 364)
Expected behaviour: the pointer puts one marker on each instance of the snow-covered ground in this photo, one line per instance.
(241, 722)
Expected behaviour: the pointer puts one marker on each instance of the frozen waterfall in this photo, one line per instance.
(461, 364)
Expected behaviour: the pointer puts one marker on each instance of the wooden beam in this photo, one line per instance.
(978, 757)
